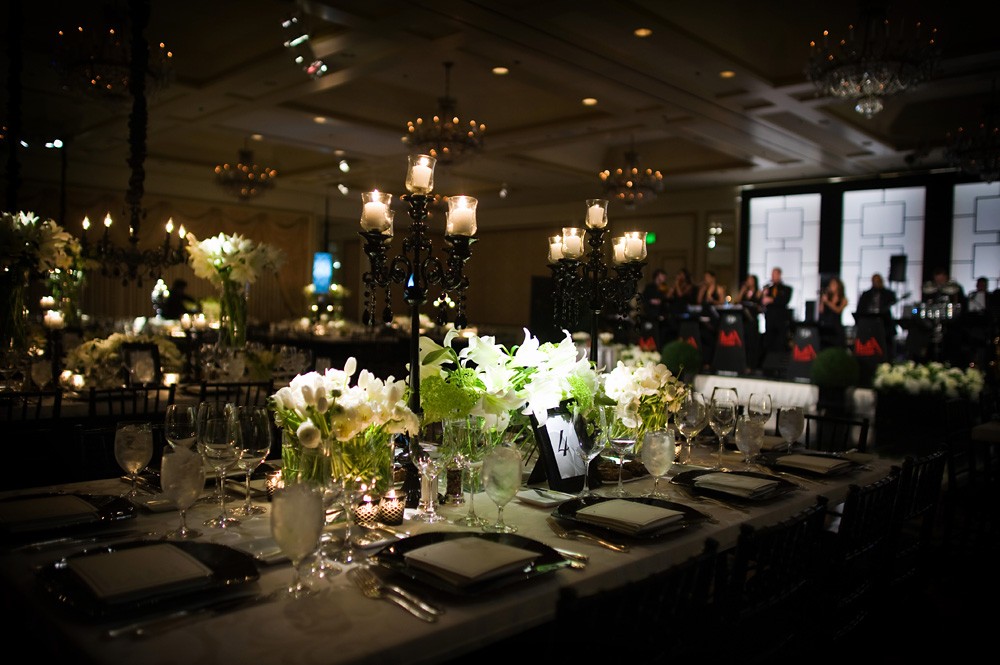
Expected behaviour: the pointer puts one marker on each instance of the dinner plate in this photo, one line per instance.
(394, 558)
(567, 511)
(687, 480)
(773, 460)
(55, 520)
(228, 568)
(542, 498)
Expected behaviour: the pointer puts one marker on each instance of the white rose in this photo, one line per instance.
(309, 435)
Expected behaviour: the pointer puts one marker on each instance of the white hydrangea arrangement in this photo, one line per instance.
(931, 378)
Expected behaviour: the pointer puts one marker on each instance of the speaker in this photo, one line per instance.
(897, 268)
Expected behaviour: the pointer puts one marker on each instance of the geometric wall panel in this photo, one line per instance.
(975, 246)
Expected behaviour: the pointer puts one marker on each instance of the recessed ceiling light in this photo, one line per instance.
(501, 71)
(727, 74)
(319, 119)
(642, 32)
(257, 137)
(589, 101)
(339, 153)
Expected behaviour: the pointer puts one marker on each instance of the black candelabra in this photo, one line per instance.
(417, 268)
(583, 279)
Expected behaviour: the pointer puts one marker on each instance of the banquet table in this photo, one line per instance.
(338, 625)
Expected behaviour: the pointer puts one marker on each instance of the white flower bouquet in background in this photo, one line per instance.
(931, 378)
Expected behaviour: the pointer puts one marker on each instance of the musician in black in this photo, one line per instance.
(777, 318)
(878, 301)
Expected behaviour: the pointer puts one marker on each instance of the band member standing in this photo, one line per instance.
(777, 319)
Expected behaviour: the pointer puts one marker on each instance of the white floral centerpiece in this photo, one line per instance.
(645, 395)
(634, 355)
(100, 361)
(333, 429)
(930, 379)
(231, 263)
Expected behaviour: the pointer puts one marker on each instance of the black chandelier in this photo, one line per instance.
(97, 61)
(129, 261)
(976, 149)
(416, 269)
(632, 184)
(875, 60)
(443, 136)
(583, 279)
(245, 179)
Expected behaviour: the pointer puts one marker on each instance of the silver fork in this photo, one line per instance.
(373, 588)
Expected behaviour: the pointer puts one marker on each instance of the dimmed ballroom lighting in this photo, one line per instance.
(443, 136)
(632, 184)
(976, 149)
(245, 179)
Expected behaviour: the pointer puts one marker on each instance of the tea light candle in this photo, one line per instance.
(618, 245)
(597, 213)
(186, 321)
(375, 215)
(572, 243)
(461, 216)
(171, 379)
(391, 509)
(76, 381)
(47, 302)
(635, 245)
(273, 483)
(200, 322)
(555, 248)
(54, 319)
(366, 512)
(420, 177)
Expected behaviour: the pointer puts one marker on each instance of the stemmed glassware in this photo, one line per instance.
(470, 440)
(592, 439)
(722, 415)
(502, 480)
(182, 479)
(430, 461)
(255, 444)
(219, 444)
(759, 407)
(41, 372)
(658, 452)
(354, 488)
(180, 425)
(133, 450)
(621, 439)
(749, 438)
(691, 419)
(297, 517)
(791, 424)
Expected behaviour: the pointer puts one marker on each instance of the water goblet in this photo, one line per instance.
(621, 439)
(591, 439)
(219, 445)
(297, 516)
(502, 480)
(430, 461)
(759, 407)
(691, 419)
(658, 452)
(41, 373)
(749, 439)
(722, 416)
(475, 443)
(180, 424)
(133, 450)
(791, 424)
(182, 478)
(255, 444)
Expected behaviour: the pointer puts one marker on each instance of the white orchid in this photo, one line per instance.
(233, 258)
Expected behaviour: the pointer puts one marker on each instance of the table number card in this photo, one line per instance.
(558, 448)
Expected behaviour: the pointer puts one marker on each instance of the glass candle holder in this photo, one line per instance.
(461, 216)
(597, 213)
(618, 248)
(391, 509)
(572, 243)
(635, 245)
(555, 249)
(420, 174)
(375, 214)
(366, 512)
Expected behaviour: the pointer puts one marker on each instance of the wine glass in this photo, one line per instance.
(722, 416)
(297, 517)
(591, 440)
(749, 438)
(691, 418)
(180, 423)
(791, 423)
(759, 407)
(182, 478)
(658, 452)
(255, 444)
(141, 370)
(133, 450)
(219, 445)
(621, 439)
(473, 445)
(502, 479)
(430, 461)
(41, 373)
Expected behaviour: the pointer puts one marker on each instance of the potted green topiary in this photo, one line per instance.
(834, 370)
(681, 358)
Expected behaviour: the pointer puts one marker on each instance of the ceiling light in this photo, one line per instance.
(257, 137)
(727, 74)
(632, 184)
(976, 150)
(344, 166)
(443, 136)
(642, 32)
(501, 71)
(588, 101)
(343, 189)
(245, 179)
(875, 60)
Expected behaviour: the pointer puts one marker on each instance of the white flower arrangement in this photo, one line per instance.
(634, 355)
(645, 395)
(931, 378)
(234, 258)
(35, 245)
(99, 360)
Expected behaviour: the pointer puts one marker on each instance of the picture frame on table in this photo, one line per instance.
(141, 364)
(559, 461)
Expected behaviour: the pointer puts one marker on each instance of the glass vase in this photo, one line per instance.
(14, 322)
(233, 315)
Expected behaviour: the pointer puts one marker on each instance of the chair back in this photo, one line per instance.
(30, 405)
(830, 433)
(130, 401)
(240, 393)
(914, 515)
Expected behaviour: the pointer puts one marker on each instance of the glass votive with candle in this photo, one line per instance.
(391, 509)
(186, 321)
(597, 213)
(76, 382)
(461, 216)
(618, 249)
(47, 302)
(420, 174)
(54, 319)
(273, 483)
(555, 249)
(635, 245)
(366, 512)
(572, 243)
(375, 213)
(171, 378)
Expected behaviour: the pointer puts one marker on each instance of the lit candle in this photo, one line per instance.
(635, 245)
(170, 226)
(375, 215)
(171, 379)
(597, 213)
(107, 221)
(461, 216)
(200, 322)
(47, 302)
(572, 243)
(555, 248)
(54, 319)
(366, 512)
(391, 509)
(186, 321)
(76, 381)
(618, 244)
(420, 177)
(86, 225)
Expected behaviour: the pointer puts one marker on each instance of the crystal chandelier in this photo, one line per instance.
(632, 184)
(976, 150)
(444, 136)
(245, 179)
(876, 59)
(97, 61)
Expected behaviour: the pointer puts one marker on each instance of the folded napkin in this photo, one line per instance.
(771, 442)
(814, 463)
(46, 512)
(463, 561)
(736, 484)
(629, 517)
(138, 572)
